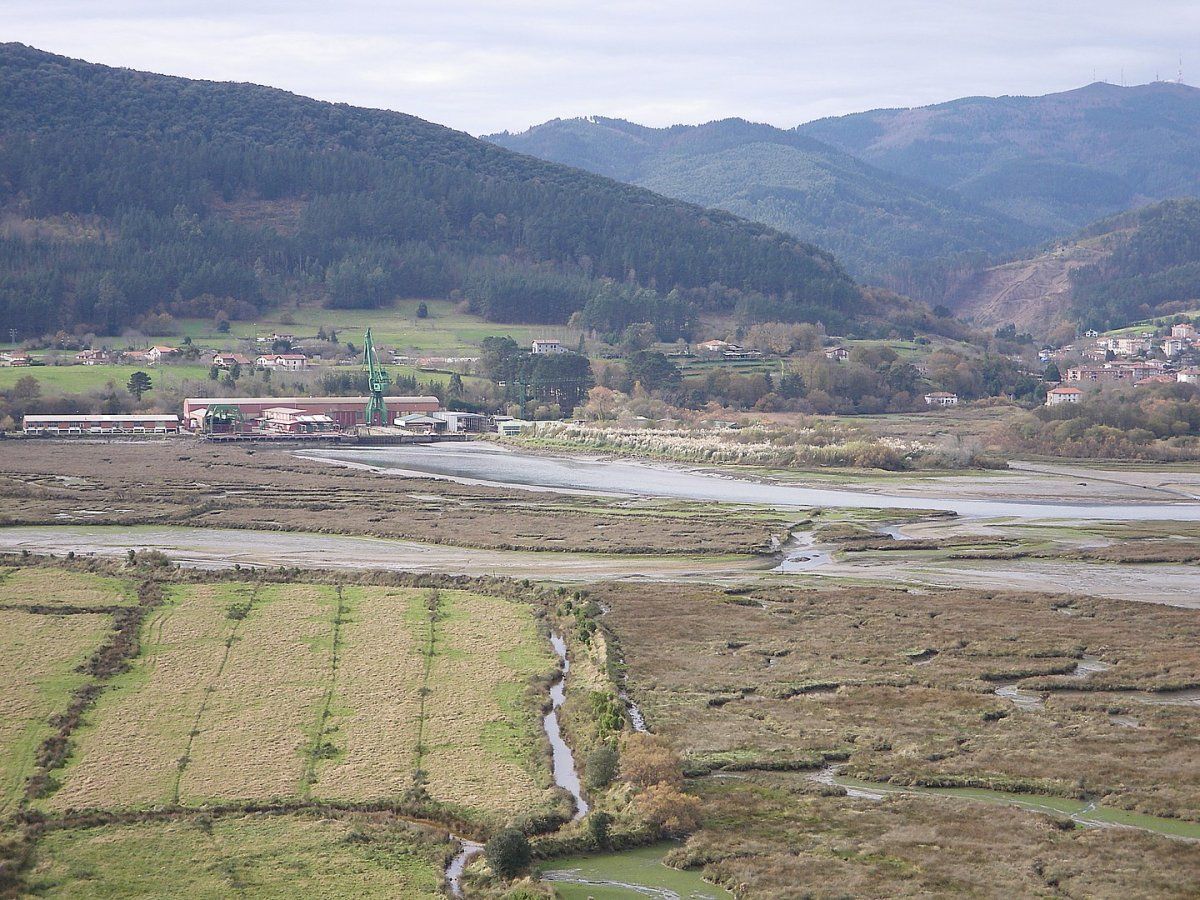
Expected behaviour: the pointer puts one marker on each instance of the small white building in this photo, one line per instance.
(941, 398)
(838, 353)
(1058, 395)
(548, 346)
(229, 360)
(463, 422)
(421, 423)
(157, 354)
(512, 427)
(1190, 375)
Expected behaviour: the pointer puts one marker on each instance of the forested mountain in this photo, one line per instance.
(1129, 267)
(1055, 162)
(870, 219)
(124, 194)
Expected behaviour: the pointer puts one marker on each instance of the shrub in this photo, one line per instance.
(647, 760)
(668, 808)
(599, 823)
(600, 768)
(508, 853)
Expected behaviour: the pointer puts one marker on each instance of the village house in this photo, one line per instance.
(157, 354)
(838, 353)
(735, 353)
(1190, 375)
(1059, 395)
(276, 338)
(941, 398)
(714, 346)
(15, 359)
(229, 360)
(292, 362)
(547, 346)
(90, 357)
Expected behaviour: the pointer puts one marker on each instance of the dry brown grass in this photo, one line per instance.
(771, 836)
(902, 685)
(256, 726)
(129, 753)
(483, 741)
(48, 586)
(373, 721)
(187, 483)
(39, 656)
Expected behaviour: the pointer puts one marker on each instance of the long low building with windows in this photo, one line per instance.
(344, 412)
(138, 423)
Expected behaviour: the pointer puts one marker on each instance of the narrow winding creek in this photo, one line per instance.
(1082, 812)
(562, 768)
(565, 775)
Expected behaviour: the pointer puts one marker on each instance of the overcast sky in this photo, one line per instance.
(489, 65)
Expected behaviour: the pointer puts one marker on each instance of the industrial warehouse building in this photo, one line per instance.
(140, 423)
(344, 412)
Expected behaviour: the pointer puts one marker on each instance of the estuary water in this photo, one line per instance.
(488, 464)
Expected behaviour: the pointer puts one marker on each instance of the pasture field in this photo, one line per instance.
(372, 723)
(279, 692)
(481, 736)
(902, 685)
(129, 751)
(258, 856)
(39, 660)
(81, 379)
(48, 586)
(445, 332)
(254, 731)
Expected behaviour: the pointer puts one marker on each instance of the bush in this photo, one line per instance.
(508, 853)
(600, 768)
(668, 808)
(599, 823)
(647, 760)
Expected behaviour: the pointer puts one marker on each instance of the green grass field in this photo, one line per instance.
(81, 379)
(444, 333)
(247, 856)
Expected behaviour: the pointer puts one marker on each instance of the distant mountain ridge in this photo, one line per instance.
(1055, 162)
(870, 219)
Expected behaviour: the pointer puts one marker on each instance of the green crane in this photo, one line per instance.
(377, 382)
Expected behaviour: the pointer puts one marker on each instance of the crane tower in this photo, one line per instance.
(377, 383)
